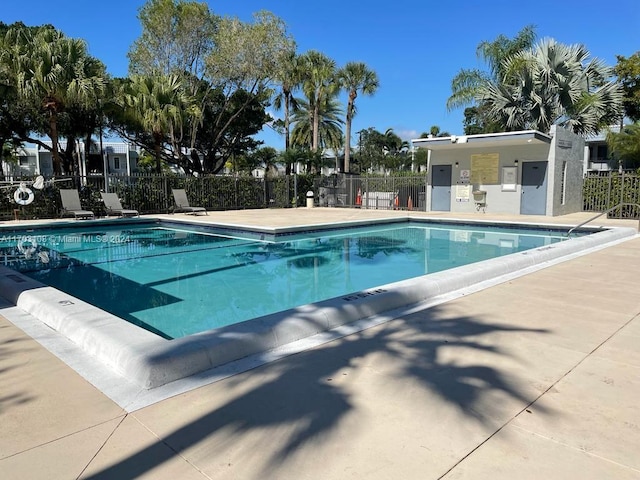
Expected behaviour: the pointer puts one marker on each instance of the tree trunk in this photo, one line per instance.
(287, 138)
(53, 128)
(157, 149)
(67, 158)
(87, 151)
(2, 143)
(347, 139)
(316, 127)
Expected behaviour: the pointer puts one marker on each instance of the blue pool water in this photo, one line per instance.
(178, 280)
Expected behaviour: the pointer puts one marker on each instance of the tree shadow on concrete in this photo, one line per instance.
(9, 348)
(305, 389)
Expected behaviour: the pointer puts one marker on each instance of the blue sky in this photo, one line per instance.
(415, 46)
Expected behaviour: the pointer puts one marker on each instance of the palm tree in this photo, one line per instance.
(551, 84)
(290, 78)
(329, 125)
(465, 85)
(56, 73)
(160, 105)
(625, 145)
(393, 144)
(434, 131)
(318, 84)
(355, 77)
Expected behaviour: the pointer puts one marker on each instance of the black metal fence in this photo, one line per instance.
(605, 190)
(380, 193)
(150, 193)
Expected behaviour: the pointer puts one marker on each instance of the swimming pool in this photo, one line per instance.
(147, 271)
(177, 281)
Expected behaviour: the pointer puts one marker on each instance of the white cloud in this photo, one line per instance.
(274, 115)
(407, 134)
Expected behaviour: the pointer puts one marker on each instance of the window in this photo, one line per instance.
(116, 163)
(563, 184)
(24, 161)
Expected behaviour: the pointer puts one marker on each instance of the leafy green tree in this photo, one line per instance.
(227, 65)
(382, 151)
(625, 145)
(551, 84)
(248, 115)
(628, 72)
(247, 57)
(476, 120)
(176, 37)
(265, 157)
(355, 78)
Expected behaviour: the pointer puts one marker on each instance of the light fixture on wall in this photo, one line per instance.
(457, 164)
(515, 162)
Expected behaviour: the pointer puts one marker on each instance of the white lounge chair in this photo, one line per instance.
(71, 204)
(182, 203)
(114, 207)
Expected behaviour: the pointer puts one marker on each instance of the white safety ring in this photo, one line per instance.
(27, 250)
(19, 193)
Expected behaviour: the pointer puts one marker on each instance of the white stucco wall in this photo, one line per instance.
(498, 201)
(565, 146)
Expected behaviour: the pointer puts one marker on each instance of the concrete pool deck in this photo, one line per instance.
(538, 377)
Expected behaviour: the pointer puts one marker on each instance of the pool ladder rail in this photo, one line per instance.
(620, 205)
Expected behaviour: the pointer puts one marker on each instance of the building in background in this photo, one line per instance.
(120, 158)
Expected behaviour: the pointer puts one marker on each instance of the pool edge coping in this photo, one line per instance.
(148, 362)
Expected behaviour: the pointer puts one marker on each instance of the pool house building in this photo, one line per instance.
(522, 172)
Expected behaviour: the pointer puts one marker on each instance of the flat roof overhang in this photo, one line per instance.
(504, 139)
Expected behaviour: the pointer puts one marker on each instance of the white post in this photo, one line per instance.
(128, 159)
(38, 170)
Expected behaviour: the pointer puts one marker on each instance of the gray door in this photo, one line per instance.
(534, 188)
(441, 188)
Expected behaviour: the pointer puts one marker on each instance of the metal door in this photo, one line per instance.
(441, 188)
(534, 188)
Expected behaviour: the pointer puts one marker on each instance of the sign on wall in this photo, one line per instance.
(509, 179)
(463, 193)
(484, 168)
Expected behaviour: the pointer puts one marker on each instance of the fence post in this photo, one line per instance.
(366, 184)
(295, 190)
(264, 192)
(621, 193)
(166, 193)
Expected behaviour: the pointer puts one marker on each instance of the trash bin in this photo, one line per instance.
(309, 199)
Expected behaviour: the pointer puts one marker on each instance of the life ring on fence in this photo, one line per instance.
(19, 195)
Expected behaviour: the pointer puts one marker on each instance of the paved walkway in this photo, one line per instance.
(536, 378)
